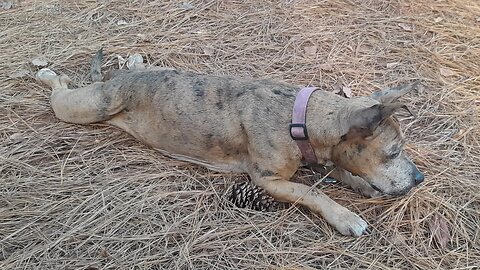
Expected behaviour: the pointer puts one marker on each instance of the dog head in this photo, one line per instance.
(372, 148)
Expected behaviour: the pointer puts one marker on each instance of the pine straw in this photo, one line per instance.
(88, 197)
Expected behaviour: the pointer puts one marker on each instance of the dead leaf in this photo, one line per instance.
(7, 4)
(439, 228)
(405, 27)
(447, 72)
(337, 87)
(392, 65)
(104, 253)
(19, 74)
(208, 50)
(121, 61)
(122, 22)
(438, 19)
(420, 89)
(135, 61)
(326, 67)
(478, 19)
(459, 134)
(40, 62)
(144, 38)
(342, 90)
(310, 51)
(186, 5)
(347, 91)
(399, 239)
(16, 138)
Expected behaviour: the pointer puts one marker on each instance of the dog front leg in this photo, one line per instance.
(344, 221)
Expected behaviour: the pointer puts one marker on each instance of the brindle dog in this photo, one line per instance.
(242, 125)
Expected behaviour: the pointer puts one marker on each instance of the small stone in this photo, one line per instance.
(40, 62)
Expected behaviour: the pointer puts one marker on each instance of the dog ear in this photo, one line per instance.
(363, 122)
(389, 95)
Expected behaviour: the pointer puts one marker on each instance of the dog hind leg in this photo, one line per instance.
(89, 104)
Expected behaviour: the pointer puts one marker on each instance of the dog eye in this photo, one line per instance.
(394, 155)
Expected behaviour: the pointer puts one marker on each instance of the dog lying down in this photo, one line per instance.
(243, 125)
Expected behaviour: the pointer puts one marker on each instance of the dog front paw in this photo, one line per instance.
(348, 223)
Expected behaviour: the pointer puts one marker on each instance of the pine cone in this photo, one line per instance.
(248, 195)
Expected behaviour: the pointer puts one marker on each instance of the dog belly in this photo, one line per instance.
(183, 144)
(235, 166)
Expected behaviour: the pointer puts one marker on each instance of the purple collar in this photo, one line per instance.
(298, 127)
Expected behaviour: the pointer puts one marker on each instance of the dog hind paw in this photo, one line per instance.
(50, 78)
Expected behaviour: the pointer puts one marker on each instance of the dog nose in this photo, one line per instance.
(419, 177)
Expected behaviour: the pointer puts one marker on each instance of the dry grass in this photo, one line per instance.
(88, 197)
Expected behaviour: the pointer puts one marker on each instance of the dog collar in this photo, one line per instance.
(298, 127)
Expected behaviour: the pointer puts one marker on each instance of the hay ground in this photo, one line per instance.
(91, 197)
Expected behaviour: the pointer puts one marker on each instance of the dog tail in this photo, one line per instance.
(96, 66)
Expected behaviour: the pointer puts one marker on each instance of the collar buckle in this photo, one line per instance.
(298, 132)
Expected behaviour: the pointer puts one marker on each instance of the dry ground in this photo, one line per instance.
(91, 197)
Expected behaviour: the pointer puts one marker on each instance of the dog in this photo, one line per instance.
(240, 125)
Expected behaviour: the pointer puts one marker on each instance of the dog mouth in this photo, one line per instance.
(393, 194)
(376, 188)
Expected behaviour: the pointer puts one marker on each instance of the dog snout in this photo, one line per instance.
(418, 176)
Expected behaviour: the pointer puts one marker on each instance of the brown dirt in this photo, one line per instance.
(91, 197)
